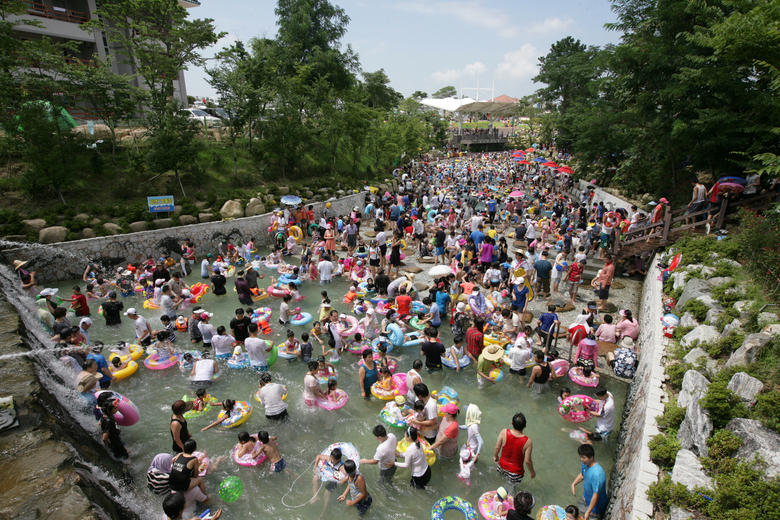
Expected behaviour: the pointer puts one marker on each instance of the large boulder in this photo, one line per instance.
(749, 351)
(231, 209)
(719, 280)
(284, 190)
(201, 204)
(688, 320)
(678, 280)
(137, 227)
(710, 302)
(186, 220)
(678, 513)
(689, 472)
(255, 207)
(177, 210)
(82, 217)
(694, 386)
(734, 326)
(695, 429)
(712, 315)
(702, 333)
(746, 387)
(693, 289)
(204, 217)
(112, 228)
(773, 329)
(163, 223)
(767, 318)
(53, 234)
(743, 307)
(35, 224)
(88, 233)
(757, 440)
(729, 261)
(694, 357)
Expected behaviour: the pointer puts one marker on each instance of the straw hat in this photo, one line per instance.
(493, 352)
(19, 263)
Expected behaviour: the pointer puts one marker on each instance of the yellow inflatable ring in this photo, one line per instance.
(296, 233)
(430, 455)
(125, 372)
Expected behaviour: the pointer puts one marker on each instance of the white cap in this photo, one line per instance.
(520, 280)
(342, 316)
(85, 321)
(369, 311)
(159, 281)
(130, 311)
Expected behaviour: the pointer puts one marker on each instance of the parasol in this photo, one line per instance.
(291, 199)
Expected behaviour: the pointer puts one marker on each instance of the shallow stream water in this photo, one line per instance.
(310, 430)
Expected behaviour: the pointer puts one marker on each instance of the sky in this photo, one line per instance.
(426, 45)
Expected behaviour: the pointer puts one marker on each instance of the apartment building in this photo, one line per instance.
(60, 21)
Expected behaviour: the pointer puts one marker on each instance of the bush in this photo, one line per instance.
(722, 446)
(663, 450)
(666, 493)
(680, 332)
(727, 300)
(676, 373)
(729, 315)
(722, 404)
(725, 346)
(672, 417)
(697, 308)
(767, 410)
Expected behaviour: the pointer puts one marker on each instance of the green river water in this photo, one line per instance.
(310, 430)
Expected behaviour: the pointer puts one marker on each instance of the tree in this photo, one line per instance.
(230, 82)
(172, 146)
(445, 92)
(377, 91)
(111, 96)
(566, 70)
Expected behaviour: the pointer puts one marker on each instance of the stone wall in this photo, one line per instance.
(65, 260)
(610, 201)
(633, 472)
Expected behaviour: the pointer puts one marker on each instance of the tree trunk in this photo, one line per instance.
(180, 184)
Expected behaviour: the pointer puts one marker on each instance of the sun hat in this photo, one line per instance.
(461, 307)
(493, 352)
(627, 342)
(127, 272)
(159, 281)
(85, 321)
(130, 311)
(663, 199)
(237, 351)
(502, 493)
(399, 400)
(19, 263)
(652, 203)
(206, 315)
(450, 408)
(186, 293)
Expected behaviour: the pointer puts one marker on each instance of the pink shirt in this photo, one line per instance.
(607, 333)
(629, 328)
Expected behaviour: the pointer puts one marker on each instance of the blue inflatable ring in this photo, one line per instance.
(450, 503)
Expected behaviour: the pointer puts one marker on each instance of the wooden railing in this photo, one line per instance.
(56, 13)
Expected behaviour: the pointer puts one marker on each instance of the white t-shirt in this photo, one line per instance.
(141, 327)
(473, 432)
(309, 382)
(606, 419)
(222, 344)
(519, 357)
(381, 238)
(476, 220)
(325, 268)
(271, 398)
(283, 308)
(255, 348)
(379, 213)
(204, 267)
(208, 331)
(431, 411)
(385, 452)
(204, 369)
(414, 459)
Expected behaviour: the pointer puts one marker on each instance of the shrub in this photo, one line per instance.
(666, 493)
(672, 417)
(725, 346)
(676, 372)
(767, 410)
(697, 308)
(680, 332)
(663, 450)
(727, 300)
(722, 404)
(729, 315)
(722, 446)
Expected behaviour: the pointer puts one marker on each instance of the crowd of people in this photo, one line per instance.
(505, 234)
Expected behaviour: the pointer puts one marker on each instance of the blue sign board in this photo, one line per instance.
(160, 204)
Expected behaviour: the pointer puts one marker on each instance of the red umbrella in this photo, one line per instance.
(523, 162)
(550, 164)
(518, 154)
(565, 169)
(529, 149)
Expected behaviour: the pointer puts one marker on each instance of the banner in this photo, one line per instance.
(160, 204)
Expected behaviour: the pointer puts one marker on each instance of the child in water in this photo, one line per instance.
(395, 407)
(583, 435)
(417, 416)
(501, 502)
(163, 346)
(229, 407)
(238, 355)
(325, 369)
(565, 392)
(247, 444)
(333, 390)
(201, 400)
(467, 462)
(385, 378)
(271, 451)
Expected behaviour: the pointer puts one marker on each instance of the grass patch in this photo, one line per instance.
(697, 308)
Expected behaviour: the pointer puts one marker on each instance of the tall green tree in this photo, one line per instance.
(445, 92)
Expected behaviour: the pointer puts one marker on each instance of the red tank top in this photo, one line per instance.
(512, 454)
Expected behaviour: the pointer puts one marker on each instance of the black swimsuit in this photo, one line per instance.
(181, 475)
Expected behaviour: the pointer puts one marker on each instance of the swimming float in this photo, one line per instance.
(329, 403)
(332, 373)
(302, 318)
(271, 265)
(430, 456)
(561, 366)
(391, 420)
(208, 405)
(382, 393)
(247, 459)
(203, 462)
(357, 348)
(463, 361)
(453, 503)
(244, 411)
(198, 290)
(445, 396)
(400, 381)
(326, 472)
(281, 351)
(186, 366)
(136, 351)
(349, 329)
(485, 504)
(284, 396)
(415, 324)
(129, 370)
(391, 363)
(381, 340)
(286, 280)
(576, 375)
(127, 413)
(274, 291)
(262, 314)
(149, 304)
(238, 365)
(552, 513)
(568, 408)
(296, 233)
(153, 361)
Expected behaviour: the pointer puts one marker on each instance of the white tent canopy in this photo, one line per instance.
(469, 106)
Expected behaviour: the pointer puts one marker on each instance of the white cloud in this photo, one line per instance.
(518, 64)
(473, 12)
(450, 75)
(474, 69)
(551, 26)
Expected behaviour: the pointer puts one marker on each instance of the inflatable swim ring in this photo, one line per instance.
(568, 408)
(284, 397)
(286, 280)
(349, 329)
(281, 351)
(348, 452)
(192, 414)
(463, 361)
(382, 393)
(127, 414)
(552, 513)
(149, 304)
(238, 365)
(303, 318)
(262, 314)
(561, 366)
(274, 291)
(430, 456)
(296, 233)
(333, 404)
(136, 351)
(246, 459)
(244, 410)
(576, 375)
(125, 372)
(357, 348)
(203, 462)
(381, 340)
(445, 396)
(324, 378)
(391, 363)
(485, 504)
(415, 339)
(390, 419)
(415, 324)
(153, 361)
(453, 503)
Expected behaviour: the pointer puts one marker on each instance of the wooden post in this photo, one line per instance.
(667, 224)
(722, 213)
